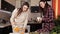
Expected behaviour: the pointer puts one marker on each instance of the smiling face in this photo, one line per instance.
(42, 4)
(25, 8)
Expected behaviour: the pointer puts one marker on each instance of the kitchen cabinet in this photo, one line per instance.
(5, 28)
(35, 26)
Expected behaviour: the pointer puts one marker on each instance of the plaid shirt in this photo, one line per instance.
(48, 21)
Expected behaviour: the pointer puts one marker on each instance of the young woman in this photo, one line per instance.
(48, 16)
(19, 18)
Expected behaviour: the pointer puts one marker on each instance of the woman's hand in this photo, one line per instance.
(39, 19)
(24, 29)
(35, 31)
(13, 24)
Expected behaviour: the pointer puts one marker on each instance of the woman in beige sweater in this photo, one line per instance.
(19, 18)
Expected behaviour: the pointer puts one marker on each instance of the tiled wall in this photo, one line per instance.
(34, 16)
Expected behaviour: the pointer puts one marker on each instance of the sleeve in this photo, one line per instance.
(49, 16)
(13, 15)
(26, 21)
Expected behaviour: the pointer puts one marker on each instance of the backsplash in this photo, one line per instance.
(33, 16)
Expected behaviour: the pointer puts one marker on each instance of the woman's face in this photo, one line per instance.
(25, 8)
(42, 4)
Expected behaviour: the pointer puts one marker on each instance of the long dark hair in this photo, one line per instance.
(20, 10)
(43, 10)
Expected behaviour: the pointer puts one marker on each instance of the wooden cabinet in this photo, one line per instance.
(6, 30)
(35, 26)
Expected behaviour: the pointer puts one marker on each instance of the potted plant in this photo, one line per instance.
(57, 26)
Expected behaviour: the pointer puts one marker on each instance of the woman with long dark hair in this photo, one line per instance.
(19, 18)
(48, 16)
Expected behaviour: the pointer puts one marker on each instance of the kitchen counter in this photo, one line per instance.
(33, 22)
(4, 25)
(5, 28)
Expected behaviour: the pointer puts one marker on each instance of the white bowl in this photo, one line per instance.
(17, 33)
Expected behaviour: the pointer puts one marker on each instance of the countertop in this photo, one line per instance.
(4, 25)
(8, 24)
